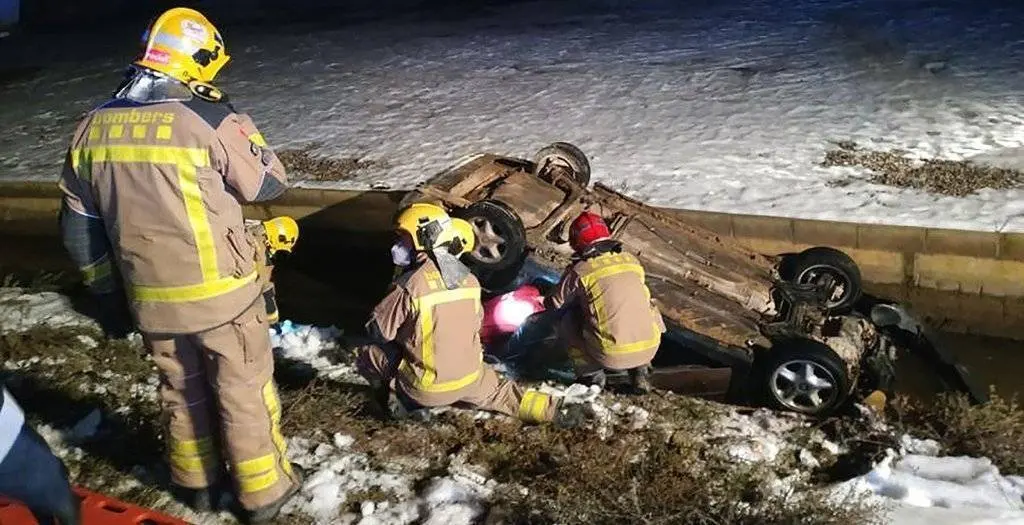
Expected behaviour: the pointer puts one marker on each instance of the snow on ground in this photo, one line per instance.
(21, 310)
(916, 484)
(933, 490)
(343, 486)
(725, 106)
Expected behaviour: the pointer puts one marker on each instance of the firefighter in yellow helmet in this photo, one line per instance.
(426, 331)
(153, 184)
(271, 237)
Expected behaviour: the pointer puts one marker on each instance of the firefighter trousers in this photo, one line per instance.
(588, 360)
(221, 405)
(489, 392)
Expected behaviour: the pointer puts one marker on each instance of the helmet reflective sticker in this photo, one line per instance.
(173, 42)
(194, 30)
(158, 56)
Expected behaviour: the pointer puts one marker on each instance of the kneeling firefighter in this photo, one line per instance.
(153, 184)
(608, 320)
(427, 350)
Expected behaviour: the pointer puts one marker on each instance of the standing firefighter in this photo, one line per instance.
(427, 328)
(153, 182)
(609, 322)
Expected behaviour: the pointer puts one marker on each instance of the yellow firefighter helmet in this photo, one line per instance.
(282, 233)
(183, 45)
(429, 226)
(463, 230)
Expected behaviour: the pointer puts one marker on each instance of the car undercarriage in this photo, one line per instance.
(793, 332)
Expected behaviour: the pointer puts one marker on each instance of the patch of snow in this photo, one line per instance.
(309, 344)
(21, 310)
(756, 438)
(941, 490)
(335, 475)
(924, 447)
(88, 342)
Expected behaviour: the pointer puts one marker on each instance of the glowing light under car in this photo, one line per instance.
(513, 311)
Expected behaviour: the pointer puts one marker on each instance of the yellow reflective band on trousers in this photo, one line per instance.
(534, 406)
(193, 456)
(424, 306)
(187, 162)
(273, 403)
(257, 474)
(261, 473)
(591, 281)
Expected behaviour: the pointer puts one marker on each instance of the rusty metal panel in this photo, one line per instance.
(668, 250)
(699, 310)
(533, 199)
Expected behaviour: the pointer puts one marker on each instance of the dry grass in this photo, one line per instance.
(994, 430)
(945, 177)
(54, 394)
(572, 477)
(39, 281)
(321, 168)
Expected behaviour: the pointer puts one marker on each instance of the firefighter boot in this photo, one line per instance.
(380, 396)
(572, 415)
(593, 378)
(268, 513)
(200, 500)
(640, 379)
(402, 407)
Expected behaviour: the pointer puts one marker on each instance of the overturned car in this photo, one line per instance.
(791, 332)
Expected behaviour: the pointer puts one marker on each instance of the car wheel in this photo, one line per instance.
(805, 376)
(823, 265)
(500, 235)
(565, 156)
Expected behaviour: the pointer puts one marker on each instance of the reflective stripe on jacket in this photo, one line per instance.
(167, 179)
(439, 331)
(619, 322)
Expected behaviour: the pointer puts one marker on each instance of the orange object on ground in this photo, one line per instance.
(97, 509)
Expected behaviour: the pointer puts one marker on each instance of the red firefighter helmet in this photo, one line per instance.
(587, 229)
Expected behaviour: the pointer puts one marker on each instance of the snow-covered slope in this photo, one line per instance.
(725, 106)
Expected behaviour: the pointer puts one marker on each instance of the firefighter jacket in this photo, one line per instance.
(606, 290)
(438, 331)
(152, 194)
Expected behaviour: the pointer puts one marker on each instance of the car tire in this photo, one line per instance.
(812, 264)
(805, 376)
(500, 236)
(568, 156)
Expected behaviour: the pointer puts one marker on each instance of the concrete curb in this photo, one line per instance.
(962, 281)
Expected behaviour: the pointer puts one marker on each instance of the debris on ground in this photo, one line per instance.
(957, 178)
(304, 164)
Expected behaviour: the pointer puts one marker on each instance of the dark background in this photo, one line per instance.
(82, 15)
